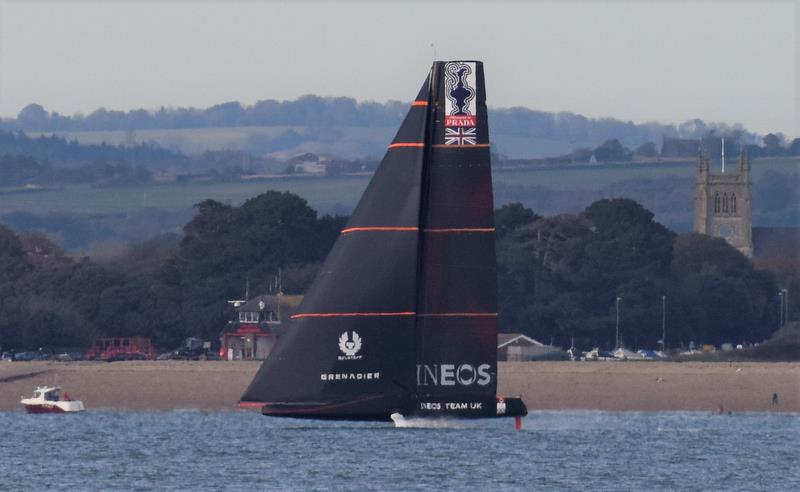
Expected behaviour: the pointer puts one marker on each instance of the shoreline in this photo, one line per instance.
(648, 386)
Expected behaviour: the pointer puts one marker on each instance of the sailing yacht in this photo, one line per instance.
(402, 317)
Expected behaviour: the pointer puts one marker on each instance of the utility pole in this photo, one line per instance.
(780, 316)
(616, 338)
(784, 306)
(664, 323)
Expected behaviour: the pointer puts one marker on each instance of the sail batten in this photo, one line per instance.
(456, 315)
(346, 315)
(460, 229)
(380, 229)
(406, 144)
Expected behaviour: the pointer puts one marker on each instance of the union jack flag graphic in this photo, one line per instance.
(460, 136)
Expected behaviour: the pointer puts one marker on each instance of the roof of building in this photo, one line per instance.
(505, 339)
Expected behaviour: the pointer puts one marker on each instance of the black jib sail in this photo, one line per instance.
(402, 316)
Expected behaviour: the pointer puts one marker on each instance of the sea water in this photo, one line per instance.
(566, 450)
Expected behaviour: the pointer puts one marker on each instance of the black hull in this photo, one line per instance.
(373, 407)
(366, 410)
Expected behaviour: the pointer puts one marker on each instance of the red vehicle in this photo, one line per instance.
(129, 348)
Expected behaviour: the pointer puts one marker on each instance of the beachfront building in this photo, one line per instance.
(518, 347)
(256, 326)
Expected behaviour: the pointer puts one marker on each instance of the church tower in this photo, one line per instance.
(722, 204)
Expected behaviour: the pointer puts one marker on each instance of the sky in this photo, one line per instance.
(666, 61)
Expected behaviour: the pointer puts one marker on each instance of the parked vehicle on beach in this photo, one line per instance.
(121, 348)
(31, 356)
(69, 356)
(127, 356)
(192, 349)
(597, 354)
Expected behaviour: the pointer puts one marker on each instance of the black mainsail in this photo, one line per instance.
(402, 317)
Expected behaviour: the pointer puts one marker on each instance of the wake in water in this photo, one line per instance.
(402, 422)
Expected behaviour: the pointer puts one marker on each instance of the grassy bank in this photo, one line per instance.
(328, 193)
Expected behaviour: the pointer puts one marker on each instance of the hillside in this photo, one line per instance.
(342, 127)
(79, 215)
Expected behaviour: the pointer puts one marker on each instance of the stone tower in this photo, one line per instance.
(722, 204)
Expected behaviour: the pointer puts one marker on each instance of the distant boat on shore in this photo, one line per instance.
(49, 399)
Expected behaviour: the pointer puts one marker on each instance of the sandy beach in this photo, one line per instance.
(611, 386)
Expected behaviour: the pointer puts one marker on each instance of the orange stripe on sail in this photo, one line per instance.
(462, 229)
(407, 144)
(419, 103)
(473, 146)
(379, 229)
(345, 315)
(456, 315)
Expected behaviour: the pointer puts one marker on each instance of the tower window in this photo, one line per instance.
(733, 203)
(716, 203)
(725, 203)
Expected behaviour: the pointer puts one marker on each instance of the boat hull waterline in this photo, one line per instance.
(56, 407)
(360, 410)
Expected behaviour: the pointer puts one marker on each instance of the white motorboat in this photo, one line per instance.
(50, 399)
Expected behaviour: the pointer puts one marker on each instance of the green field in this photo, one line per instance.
(342, 141)
(593, 177)
(322, 194)
(346, 142)
(335, 193)
(189, 140)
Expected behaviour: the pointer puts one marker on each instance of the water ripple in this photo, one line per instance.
(570, 450)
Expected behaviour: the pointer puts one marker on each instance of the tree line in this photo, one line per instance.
(314, 111)
(164, 288)
(613, 150)
(53, 160)
(60, 151)
(558, 277)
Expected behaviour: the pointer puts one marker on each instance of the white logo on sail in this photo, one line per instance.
(453, 375)
(461, 116)
(349, 345)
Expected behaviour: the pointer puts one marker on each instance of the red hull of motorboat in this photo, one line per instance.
(43, 409)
